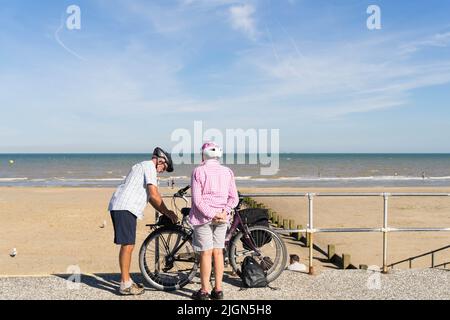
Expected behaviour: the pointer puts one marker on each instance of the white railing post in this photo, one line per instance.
(310, 231)
(385, 231)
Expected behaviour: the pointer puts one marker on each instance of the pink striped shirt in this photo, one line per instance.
(213, 189)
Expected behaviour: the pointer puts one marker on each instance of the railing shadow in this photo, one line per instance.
(429, 253)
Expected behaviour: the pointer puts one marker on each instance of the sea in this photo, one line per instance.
(294, 170)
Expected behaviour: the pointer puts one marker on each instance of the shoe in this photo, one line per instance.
(216, 295)
(200, 295)
(133, 290)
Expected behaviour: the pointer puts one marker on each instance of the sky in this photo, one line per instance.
(136, 70)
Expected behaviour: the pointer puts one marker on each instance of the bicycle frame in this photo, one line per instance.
(236, 226)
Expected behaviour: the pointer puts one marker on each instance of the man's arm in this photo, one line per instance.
(157, 202)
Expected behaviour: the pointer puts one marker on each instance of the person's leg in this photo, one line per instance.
(126, 252)
(218, 268)
(205, 269)
(219, 234)
(203, 244)
(125, 236)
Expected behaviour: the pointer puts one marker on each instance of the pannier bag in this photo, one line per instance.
(256, 217)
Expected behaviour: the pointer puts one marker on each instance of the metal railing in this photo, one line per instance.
(430, 253)
(384, 229)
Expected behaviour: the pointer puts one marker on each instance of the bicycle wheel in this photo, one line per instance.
(272, 256)
(167, 259)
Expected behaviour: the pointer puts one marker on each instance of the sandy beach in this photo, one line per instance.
(56, 228)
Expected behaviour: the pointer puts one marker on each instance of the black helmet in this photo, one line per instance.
(160, 153)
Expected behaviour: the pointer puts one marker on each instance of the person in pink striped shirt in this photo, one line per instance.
(214, 195)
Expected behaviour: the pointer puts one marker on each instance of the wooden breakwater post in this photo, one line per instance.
(308, 239)
(280, 221)
(275, 218)
(298, 235)
(285, 224)
(291, 227)
(346, 261)
(331, 252)
(270, 212)
(363, 267)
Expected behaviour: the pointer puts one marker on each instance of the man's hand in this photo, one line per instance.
(157, 202)
(220, 217)
(172, 216)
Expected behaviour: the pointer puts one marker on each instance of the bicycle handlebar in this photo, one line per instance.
(180, 193)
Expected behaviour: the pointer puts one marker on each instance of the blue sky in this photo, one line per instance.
(139, 69)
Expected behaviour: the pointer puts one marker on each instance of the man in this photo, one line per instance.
(295, 265)
(128, 203)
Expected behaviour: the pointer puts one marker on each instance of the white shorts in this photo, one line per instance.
(209, 236)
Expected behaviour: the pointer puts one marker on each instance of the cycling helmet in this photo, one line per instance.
(210, 150)
(160, 153)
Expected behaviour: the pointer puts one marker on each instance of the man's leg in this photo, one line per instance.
(125, 236)
(205, 269)
(125, 254)
(218, 268)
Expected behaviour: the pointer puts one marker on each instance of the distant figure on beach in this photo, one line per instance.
(423, 175)
(173, 183)
(295, 265)
(214, 195)
(128, 203)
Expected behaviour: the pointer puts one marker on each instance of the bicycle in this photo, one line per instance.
(168, 262)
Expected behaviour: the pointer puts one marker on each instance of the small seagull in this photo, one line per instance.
(13, 253)
(103, 225)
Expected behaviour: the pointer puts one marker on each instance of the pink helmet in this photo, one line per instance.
(210, 150)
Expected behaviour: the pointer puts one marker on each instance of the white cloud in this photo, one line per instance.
(437, 40)
(242, 19)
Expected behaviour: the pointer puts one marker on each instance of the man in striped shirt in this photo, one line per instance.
(214, 196)
(128, 203)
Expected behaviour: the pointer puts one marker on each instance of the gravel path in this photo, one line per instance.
(332, 284)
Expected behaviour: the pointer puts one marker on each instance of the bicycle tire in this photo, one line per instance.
(152, 277)
(281, 252)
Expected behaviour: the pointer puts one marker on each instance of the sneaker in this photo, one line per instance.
(200, 295)
(133, 290)
(216, 295)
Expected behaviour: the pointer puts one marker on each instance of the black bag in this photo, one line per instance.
(252, 274)
(256, 217)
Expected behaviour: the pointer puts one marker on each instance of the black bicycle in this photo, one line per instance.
(168, 261)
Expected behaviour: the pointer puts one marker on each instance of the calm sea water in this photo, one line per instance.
(302, 170)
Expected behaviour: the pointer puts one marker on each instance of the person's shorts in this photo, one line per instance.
(124, 223)
(209, 236)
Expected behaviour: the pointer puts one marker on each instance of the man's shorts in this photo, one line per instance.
(209, 236)
(124, 223)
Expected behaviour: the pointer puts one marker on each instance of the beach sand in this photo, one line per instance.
(55, 229)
